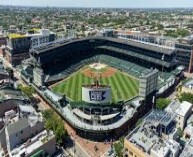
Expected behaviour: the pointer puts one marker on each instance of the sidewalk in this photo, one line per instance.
(88, 147)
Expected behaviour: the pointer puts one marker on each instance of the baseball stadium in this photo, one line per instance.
(101, 85)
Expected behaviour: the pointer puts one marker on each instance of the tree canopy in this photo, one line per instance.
(118, 147)
(139, 121)
(180, 132)
(55, 123)
(27, 90)
(186, 97)
(160, 27)
(162, 103)
(177, 33)
(10, 72)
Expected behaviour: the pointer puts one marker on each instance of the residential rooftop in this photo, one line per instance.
(189, 84)
(18, 122)
(37, 32)
(157, 117)
(34, 143)
(146, 139)
(184, 108)
(15, 35)
(188, 150)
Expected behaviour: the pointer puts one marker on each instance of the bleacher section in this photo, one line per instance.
(151, 59)
(165, 78)
(125, 66)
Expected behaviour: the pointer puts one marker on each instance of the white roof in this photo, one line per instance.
(189, 130)
(27, 108)
(184, 108)
(52, 95)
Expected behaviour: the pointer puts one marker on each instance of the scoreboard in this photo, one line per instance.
(96, 95)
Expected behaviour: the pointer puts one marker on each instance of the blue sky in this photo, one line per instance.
(102, 3)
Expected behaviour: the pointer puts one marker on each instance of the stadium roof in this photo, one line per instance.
(27, 108)
(135, 43)
(145, 45)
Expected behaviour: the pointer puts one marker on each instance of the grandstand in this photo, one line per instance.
(61, 72)
(125, 66)
(138, 52)
(115, 47)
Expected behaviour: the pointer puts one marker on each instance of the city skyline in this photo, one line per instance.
(101, 3)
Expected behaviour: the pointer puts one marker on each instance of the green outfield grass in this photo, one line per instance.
(123, 87)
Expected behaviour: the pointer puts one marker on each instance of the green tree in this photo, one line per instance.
(177, 33)
(118, 147)
(53, 122)
(139, 121)
(141, 23)
(162, 103)
(182, 32)
(186, 97)
(10, 72)
(27, 90)
(60, 133)
(28, 20)
(147, 23)
(180, 132)
(160, 27)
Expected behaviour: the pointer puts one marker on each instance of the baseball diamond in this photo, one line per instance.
(123, 87)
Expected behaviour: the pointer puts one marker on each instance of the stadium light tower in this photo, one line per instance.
(163, 57)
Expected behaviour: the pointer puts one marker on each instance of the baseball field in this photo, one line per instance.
(123, 86)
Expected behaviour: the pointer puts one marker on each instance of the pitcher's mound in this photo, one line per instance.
(98, 69)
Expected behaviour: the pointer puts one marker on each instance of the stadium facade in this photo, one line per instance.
(55, 62)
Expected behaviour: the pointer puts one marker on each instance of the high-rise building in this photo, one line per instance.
(18, 45)
(184, 52)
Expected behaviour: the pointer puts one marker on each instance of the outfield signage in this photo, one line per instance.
(96, 95)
